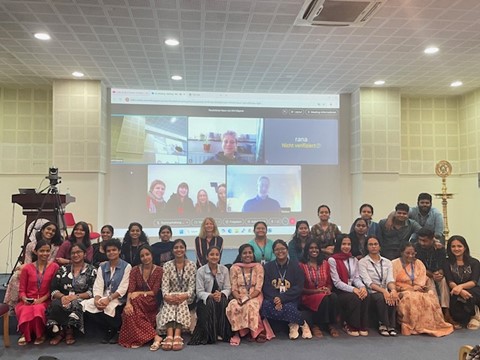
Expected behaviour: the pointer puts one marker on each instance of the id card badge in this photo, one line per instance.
(282, 288)
(262, 261)
(71, 292)
(109, 291)
(350, 282)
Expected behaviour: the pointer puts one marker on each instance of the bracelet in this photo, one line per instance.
(109, 298)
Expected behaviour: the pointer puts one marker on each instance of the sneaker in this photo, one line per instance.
(293, 333)
(363, 332)
(382, 330)
(392, 332)
(306, 333)
(350, 331)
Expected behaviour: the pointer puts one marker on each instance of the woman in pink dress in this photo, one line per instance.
(34, 295)
(243, 311)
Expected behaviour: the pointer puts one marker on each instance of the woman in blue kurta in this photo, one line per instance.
(282, 289)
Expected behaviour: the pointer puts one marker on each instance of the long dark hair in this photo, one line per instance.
(297, 241)
(238, 259)
(38, 245)
(56, 239)
(86, 238)
(143, 239)
(337, 248)
(306, 256)
(466, 255)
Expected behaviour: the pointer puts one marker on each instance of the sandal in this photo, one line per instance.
(69, 338)
(22, 341)
(167, 343)
(473, 324)
(177, 343)
(56, 339)
(261, 338)
(156, 345)
(235, 340)
(333, 332)
(40, 340)
(317, 332)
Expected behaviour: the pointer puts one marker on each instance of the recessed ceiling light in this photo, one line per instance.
(431, 50)
(456, 83)
(176, 77)
(78, 74)
(172, 42)
(42, 36)
(379, 82)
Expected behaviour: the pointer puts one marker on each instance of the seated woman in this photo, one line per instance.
(178, 289)
(352, 295)
(317, 291)
(418, 309)
(72, 284)
(109, 291)
(99, 255)
(134, 238)
(299, 239)
(204, 206)
(48, 232)
(138, 318)
(282, 289)
(243, 311)
(80, 234)
(163, 249)
(376, 273)
(34, 294)
(213, 290)
(207, 238)
(462, 273)
(358, 238)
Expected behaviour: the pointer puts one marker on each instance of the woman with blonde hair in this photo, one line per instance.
(207, 238)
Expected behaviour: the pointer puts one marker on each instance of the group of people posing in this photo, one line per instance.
(395, 272)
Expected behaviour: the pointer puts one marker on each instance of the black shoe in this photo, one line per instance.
(108, 336)
(114, 338)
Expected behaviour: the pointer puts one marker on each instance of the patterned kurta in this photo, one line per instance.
(177, 282)
(418, 312)
(246, 316)
(64, 283)
(139, 327)
(325, 237)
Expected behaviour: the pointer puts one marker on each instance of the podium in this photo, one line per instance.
(45, 206)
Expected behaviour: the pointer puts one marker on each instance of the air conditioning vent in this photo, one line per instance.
(337, 12)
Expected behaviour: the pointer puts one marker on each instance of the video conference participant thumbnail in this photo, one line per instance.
(270, 189)
(225, 141)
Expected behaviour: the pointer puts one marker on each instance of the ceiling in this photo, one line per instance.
(240, 46)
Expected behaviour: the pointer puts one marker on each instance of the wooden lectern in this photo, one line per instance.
(45, 206)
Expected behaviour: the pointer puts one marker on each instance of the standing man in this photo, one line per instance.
(428, 217)
(400, 232)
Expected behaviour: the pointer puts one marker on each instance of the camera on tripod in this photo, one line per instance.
(53, 176)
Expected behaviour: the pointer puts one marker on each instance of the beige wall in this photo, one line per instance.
(388, 148)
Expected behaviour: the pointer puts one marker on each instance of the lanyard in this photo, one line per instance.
(40, 278)
(248, 284)
(108, 283)
(380, 275)
(412, 275)
(314, 275)
(262, 250)
(282, 276)
(180, 278)
(145, 286)
(349, 270)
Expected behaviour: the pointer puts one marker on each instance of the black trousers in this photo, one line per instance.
(327, 311)
(353, 310)
(386, 314)
(108, 323)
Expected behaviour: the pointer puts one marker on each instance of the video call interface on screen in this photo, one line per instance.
(178, 157)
